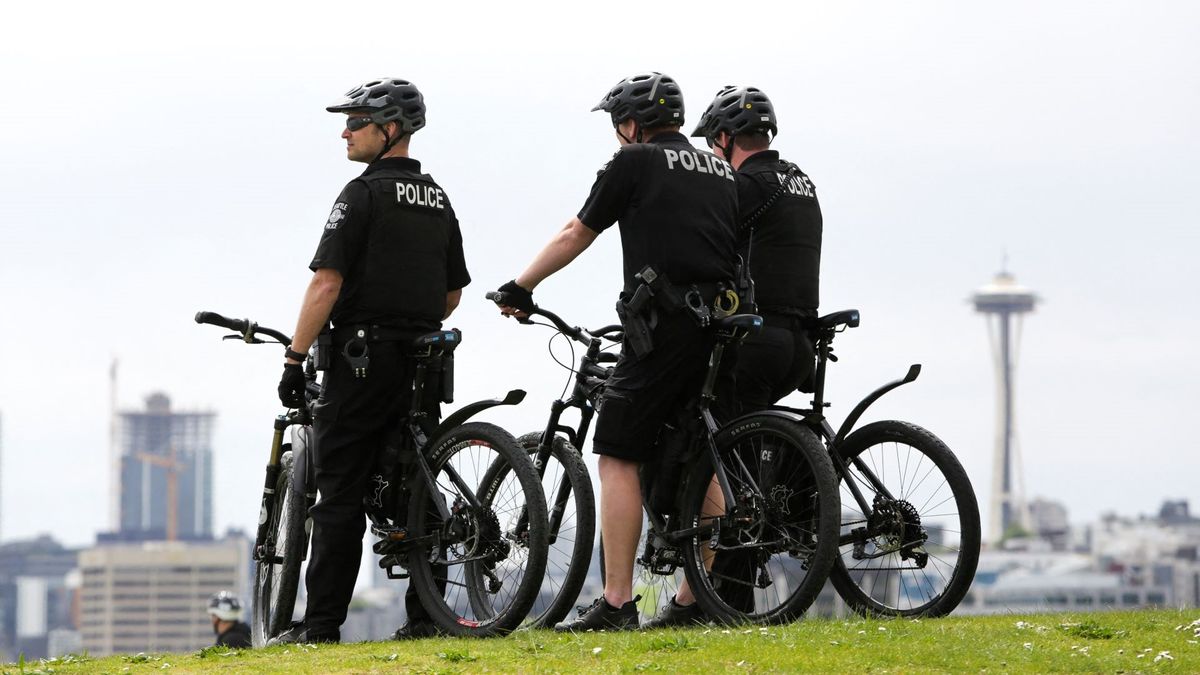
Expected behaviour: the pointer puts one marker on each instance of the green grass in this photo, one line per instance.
(1165, 641)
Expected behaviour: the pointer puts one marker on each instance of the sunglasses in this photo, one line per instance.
(356, 123)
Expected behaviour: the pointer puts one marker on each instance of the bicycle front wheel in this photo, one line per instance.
(764, 558)
(478, 571)
(571, 507)
(277, 570)
(913, 548)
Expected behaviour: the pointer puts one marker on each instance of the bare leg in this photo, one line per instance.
(714, 505)
(620, 525)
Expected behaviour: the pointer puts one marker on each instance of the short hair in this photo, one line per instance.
(750, 141)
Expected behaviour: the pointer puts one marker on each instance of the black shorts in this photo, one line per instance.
(643, 393)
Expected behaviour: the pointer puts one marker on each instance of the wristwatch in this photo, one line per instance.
(288, 352)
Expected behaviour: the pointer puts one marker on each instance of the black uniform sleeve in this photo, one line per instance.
(345, 232)
(456, 263)
(611, 192)
(752, 192)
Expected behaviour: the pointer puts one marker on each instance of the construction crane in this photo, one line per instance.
(173, 467)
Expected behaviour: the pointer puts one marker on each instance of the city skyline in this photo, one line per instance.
(938, 137)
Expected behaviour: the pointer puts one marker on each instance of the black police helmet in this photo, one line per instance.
(387, 100)
(650, 99)
(737, 110)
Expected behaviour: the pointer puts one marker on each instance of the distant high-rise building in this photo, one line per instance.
(35, 598)
(165, 469)
(153, 596)
(1048, 521)
(1004, 302)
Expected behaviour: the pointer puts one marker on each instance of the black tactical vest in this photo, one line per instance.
(786, 258)
(400, 275)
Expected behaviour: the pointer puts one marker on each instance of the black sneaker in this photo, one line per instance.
(603, 616)
(415, 630)
(299, 634)
(674, 615)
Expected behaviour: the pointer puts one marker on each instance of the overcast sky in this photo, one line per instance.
(158, 162)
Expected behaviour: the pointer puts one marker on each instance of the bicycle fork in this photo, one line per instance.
(261, 549)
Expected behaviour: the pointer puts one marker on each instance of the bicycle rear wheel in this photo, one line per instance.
(775, 548)
(571, 507)
(915, 554)
(277, 571)
(478, 572)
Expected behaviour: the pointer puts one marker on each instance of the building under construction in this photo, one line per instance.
(165, 472)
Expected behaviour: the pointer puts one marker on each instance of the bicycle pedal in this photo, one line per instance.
(389, 533)
(390, 562)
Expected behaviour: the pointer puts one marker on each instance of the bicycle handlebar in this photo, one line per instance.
(576, 333)
(245, 327)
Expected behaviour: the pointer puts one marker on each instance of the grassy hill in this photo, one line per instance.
(1165, 641)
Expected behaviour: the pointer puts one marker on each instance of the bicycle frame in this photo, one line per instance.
(815, 419)
(419, 428)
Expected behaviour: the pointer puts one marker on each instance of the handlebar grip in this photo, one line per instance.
(498, 297)
(214, 319)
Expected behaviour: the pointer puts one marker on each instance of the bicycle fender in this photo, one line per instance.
(913, 371)
(471, 409)
(769, 412)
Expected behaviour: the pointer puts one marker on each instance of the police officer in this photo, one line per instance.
(226, 612)
(676, 208)
(779, 235)
(389, 267)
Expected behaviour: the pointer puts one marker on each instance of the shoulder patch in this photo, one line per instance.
(337, 215)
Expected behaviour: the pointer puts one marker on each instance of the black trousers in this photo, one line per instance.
(352, 419)
(773, 363)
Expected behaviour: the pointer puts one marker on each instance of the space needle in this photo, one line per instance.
(1004, 302)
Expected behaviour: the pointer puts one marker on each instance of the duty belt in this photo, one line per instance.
(371, 333)
(702, 300)
(355, 342)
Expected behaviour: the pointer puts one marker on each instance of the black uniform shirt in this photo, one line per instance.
(676, 206)
(394, 237)
(785, 261)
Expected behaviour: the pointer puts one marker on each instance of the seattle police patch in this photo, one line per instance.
(337, 215)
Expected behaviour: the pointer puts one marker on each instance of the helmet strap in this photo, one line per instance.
(625, 138)
(388, 142)
(726, 150)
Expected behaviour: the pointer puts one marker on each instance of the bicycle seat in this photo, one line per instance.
(849, 317)
(442, 340)
(749, 323)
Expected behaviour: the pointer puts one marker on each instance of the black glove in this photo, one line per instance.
(291, 385)
(518, 297)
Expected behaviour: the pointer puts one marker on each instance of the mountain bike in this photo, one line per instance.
(435, 527)
(557, 454)
(910, 534)
(777, 504)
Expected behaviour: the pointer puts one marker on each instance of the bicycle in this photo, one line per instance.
(786, 524)
(897, 554)
(557, 454)
(446, 537)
